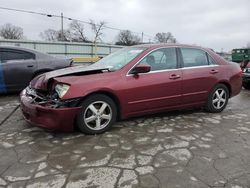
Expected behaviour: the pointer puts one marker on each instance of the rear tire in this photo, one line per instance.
(97, 115)
(217, 99)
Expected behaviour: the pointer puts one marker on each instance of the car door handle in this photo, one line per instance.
(213, 71)
(174, 76)
(30, 65)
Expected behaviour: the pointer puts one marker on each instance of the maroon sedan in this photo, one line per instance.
(133, 81)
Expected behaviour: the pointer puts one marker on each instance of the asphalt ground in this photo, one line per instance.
(190, 148)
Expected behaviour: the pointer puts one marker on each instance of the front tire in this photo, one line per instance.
(97, 115)
(217, 99)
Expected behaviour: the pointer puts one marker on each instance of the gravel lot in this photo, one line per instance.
(177, 149)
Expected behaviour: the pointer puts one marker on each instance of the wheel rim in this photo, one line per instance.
(219, 98)
(97, 115)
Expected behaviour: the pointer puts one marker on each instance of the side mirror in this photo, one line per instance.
(141, 68)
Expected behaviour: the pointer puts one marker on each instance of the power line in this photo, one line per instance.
(68, 18)
(27, 11)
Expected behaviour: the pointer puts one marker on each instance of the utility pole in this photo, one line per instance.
(62, 26)
(142, 37)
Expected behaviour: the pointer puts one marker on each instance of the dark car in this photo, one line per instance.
(246, 76)
(133, 81)
(18, 66)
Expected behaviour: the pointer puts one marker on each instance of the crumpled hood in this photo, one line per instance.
(41, 81)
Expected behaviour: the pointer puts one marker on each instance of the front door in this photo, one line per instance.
(158, 89)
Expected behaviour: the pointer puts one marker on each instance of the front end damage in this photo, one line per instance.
(47, 101)
(50, 99)
(45, 109)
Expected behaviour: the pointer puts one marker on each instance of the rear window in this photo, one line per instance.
(194, 57)
(7, 55)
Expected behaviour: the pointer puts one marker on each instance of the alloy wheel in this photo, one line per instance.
(219, 98)
(97, 115)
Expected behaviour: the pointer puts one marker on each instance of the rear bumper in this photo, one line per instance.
(50, 118)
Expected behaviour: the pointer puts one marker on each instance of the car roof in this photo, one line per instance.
(162, 45)
(39, 55)
(159, 45)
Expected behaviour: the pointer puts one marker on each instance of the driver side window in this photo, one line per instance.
(161, 59)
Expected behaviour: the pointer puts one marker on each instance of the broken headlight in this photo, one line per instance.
(61, 89)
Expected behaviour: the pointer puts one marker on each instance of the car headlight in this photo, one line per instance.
(61, 89)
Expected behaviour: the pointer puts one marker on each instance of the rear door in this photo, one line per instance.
(17, 67)
(199, 73)
(158, 89)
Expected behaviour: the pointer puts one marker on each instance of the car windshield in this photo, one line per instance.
(119, 59)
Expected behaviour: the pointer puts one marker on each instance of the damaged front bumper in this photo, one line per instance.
(48, 113)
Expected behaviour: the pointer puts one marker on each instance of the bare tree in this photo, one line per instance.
(77, 32)
(126, 38)
(97, 28)
(165, 38)
(9, 31)
(65, 36)
(54, 35)
(49, 34)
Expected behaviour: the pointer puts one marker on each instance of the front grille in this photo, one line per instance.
(36, 95)
(51, 101)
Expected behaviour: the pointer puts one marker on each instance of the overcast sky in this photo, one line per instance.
(218, 24)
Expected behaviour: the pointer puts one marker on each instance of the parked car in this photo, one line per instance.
(240, 55)
(19, 65)
(134, 81)
(246, 76)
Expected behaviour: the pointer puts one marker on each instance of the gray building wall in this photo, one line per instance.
(64, 49)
